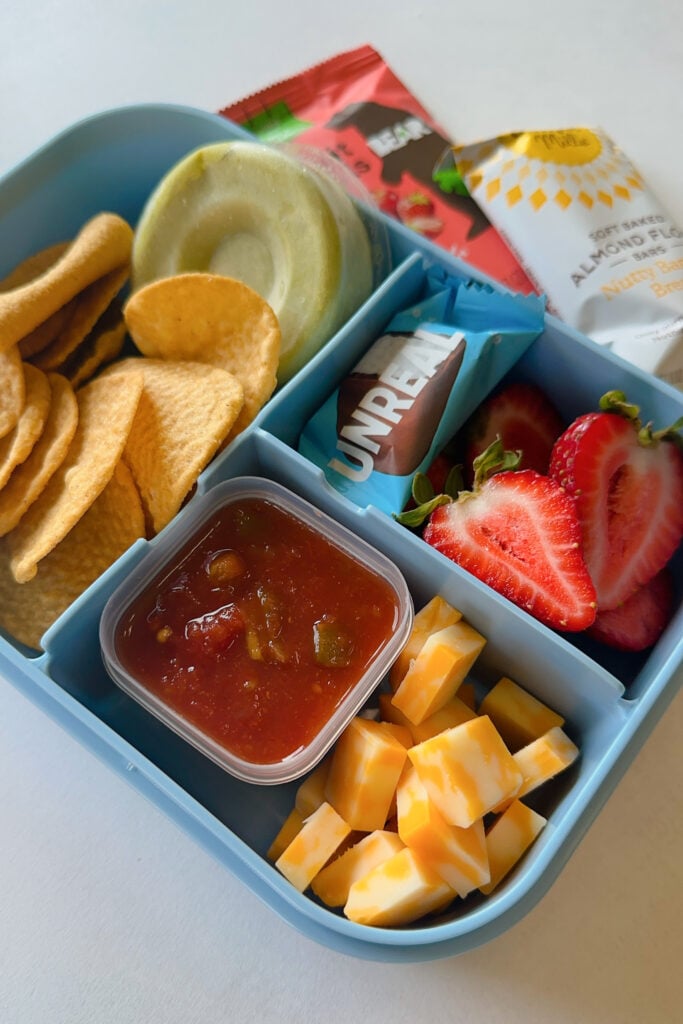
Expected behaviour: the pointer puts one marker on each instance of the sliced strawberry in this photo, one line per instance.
(517, 531)
(525, 420)
(417, 204)
(639, 622)
(627, 484)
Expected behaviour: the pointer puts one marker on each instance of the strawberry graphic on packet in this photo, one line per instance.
(626, 482)
(517, 531)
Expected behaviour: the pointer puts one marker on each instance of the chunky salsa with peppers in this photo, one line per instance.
(259, 630)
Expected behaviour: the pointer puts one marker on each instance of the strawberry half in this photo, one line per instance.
(639, 622)
(525, 420)
(627, 485)
(517, 531)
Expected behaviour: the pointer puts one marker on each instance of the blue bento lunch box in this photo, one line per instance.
(610, 701)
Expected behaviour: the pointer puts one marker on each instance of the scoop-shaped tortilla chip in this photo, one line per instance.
(30, 478)
(103, 244)
(103, 344)
(111, 524)
(90, 305)
(211, 319)
(12, 389)
(106, 409)
(16, 446)
(185, 412)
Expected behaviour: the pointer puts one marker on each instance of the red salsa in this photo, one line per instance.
(258, 631)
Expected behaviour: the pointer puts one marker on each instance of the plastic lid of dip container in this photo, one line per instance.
(256, 629)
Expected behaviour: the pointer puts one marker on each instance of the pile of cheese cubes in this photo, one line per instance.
(424, 804)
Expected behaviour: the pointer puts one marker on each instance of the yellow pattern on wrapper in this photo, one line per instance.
(321, 834)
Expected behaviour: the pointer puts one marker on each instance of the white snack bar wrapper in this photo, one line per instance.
(590, 234)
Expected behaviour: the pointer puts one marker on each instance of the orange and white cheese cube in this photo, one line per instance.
(438, 670)
(518, 716)
(398, 891)
(333, 883)
(455, 712)
(467, 770)
(543, 759)
(457, 854)
(291, 826)
(311, 792)
(435, 615)
(320, 836)
(365, 768)
(508, 839)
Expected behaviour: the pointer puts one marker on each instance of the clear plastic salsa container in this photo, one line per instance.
(257, 630)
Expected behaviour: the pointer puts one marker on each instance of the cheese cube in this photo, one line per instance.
(311, 791)
(292, 825)
(364, 770)
(438, 670)
(457, 854)
(401, 732)
(517, 715)
(508, 838)
(455, 712)
(332, 884)
(466, 770)
(435, 615)
(542, 760)
(312, 846)
(397, 891)
(467, 696)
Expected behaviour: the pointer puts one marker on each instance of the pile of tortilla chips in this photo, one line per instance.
(100, 446)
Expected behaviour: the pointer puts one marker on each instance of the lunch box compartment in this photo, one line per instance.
(610, 701)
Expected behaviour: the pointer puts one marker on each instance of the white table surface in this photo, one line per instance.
(109, 912)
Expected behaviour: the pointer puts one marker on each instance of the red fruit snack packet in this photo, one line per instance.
(354, 107)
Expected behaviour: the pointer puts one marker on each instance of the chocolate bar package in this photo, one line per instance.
(355, 108)
(415, 387)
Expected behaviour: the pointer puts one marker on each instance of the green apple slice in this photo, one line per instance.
(248, 211)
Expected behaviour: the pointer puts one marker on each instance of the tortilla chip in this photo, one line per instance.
(33, 266)
(185, 412)
(111, 524)
(16, 446)
(210, 319)
(48, 331)
(102, 245)
(89, 307)
(106, 409)
(103, 344)
(30, 478)
(12, 389)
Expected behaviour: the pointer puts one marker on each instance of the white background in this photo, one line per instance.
(109, 912)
